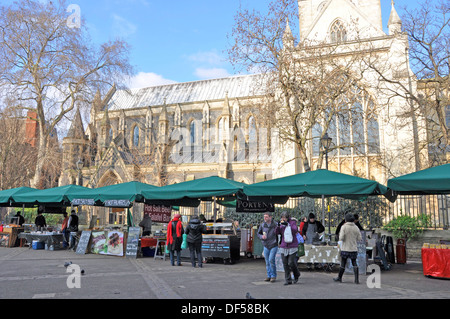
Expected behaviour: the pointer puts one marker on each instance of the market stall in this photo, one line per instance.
(9, 234)
(51, 240)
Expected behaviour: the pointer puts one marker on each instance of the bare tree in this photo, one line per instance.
(420, 76)
(50, 66)
(307, 82)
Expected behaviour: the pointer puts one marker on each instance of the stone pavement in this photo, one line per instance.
(41, 274)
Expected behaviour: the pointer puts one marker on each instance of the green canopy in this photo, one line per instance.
(316, 184)
(200, 189)
(51, 196)
(120, 195)
(434, 180)
(6, 199)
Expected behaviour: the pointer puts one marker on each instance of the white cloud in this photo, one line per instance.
(207, 57)
(147, 79)
(211, 73)
(122, 27)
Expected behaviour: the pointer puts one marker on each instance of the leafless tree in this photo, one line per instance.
(421, 78)
(51, 67)
(307, 82)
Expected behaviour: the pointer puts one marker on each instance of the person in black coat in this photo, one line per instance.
(40, 220)
(194, 231)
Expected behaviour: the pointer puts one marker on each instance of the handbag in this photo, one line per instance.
(288, 235)
(184, 243)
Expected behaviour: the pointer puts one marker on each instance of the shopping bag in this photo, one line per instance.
(301, 250)
(184, 243)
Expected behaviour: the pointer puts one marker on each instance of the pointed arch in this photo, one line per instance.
(337, 31)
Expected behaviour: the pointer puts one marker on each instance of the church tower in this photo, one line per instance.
(74, 149)
(316, 17)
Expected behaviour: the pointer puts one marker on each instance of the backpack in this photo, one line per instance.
(288, 234)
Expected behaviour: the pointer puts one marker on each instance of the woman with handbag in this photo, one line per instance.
(289, 247)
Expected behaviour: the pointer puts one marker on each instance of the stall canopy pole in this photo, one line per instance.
(323, 208)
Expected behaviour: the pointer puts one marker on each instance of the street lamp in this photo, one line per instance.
(80, 167)
(325, 143)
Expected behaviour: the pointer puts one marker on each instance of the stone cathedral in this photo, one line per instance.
(216, 123)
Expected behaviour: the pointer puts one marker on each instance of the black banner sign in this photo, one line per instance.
(244, 206)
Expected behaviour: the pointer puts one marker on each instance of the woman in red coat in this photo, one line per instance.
(175, 233)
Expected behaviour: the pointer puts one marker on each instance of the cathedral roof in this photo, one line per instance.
(187, 92)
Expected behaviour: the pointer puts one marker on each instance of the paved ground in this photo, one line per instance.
(41, 274)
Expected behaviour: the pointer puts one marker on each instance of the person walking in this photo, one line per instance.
(72, 227)
(349, 235)
(175, 233)
(194, 231)
(288, 247)
(267, 233)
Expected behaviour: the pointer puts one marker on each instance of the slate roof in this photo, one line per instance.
(187, 92)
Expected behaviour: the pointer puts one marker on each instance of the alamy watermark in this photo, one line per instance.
(74, 279)
(74, 19)
(214, 146)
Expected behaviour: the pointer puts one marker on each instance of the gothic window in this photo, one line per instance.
(221, 127)
(354, 128)
(337, 32)
(252, 142)
(136, 136)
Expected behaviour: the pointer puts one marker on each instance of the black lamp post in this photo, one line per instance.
(325, 142)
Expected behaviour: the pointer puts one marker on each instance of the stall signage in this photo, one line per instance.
(132, 242)
(83, 242)
(216, 246)
(83, 201)
(158, 213)
(117, 203)
(244, 206)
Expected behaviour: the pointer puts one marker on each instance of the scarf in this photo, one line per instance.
(169, 229)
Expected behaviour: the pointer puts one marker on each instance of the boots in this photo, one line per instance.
(356, 272)
(339, 277)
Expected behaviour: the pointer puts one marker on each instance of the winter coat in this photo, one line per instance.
(349, 235)
(270, 230)
(194, 231)
(175, 243)
(280, 231)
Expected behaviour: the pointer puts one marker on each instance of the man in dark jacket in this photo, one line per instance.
(72, 227)
(266, 232)
(194, 231)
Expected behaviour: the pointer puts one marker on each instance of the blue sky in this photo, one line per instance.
(176, 40)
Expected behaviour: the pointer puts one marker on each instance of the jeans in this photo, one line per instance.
(65, 238)
(171, 255)
(72, 239)
(269, 255)
(196, 248)
(290, 264)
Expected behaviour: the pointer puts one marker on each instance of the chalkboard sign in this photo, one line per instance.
(132, 242)
(216, 246)
(83, 242)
